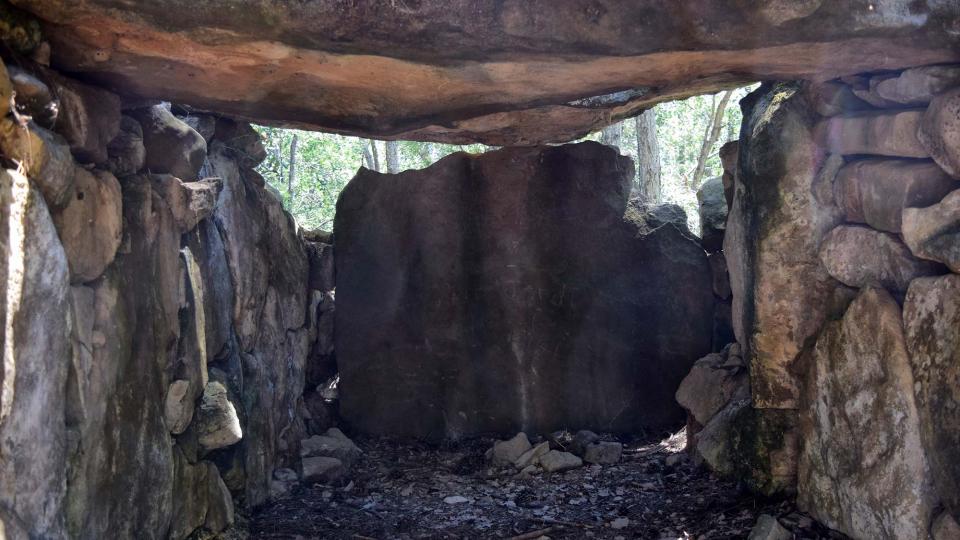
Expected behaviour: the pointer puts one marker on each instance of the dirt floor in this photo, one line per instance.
(408, 491)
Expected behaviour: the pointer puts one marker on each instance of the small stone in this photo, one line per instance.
(331, 444)
(934, 232)
(532, 455)
(620, 523)
(178, 406)
(556, 461)
(509, 451)
(217, 423)
(674, 459)
(285, 475)
(581, 440)
(603, 453)
(768, 528)
(531, 470)
(321, 469)
(456, 499)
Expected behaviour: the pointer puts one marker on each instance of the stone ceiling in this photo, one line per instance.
(494, 71)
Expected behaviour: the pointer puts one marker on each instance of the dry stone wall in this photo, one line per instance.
(159, 315)
(840, 242)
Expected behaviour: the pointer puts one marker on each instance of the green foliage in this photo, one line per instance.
(325, 162)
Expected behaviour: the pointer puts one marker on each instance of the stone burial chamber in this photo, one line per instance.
(514, 290)
(178, 352)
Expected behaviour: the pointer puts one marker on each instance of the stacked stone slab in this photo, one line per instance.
(157, 317)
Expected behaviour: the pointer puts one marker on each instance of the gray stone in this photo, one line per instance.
(934, 232)
(880, 133)
(509, 451)
(321, 266)
(89, 117)
(244, 143)
(713, 214)
(190, 202)
(557, 461)
(532, 456)
(90, 225)
(721, 276)
(931, 316)
(860, 256)
(216, 419)
(34, 97)
(940, 131)
(603, 453)
(172, 146)
(863, 470)
(875, 191)
(204, 124)
(332, 444)
(321, 469)
(178, 406)
(768, 528)
(945, 528)
(580, 441)
(126, 152)
(712, 383)
(917, 86)
(832, 98)
(46, 158)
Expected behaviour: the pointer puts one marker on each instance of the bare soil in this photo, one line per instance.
(398, 491)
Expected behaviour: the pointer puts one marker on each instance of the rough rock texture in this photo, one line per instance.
(876, 191)
(781, 293)
(931, 316)
(940, 131)
(714, 381)
(917, 86)
(126, 152)
(507, 306)
(217, 423)
(36, 359)
(172, 146)
(557, 461)
(875, 132)
(713, 214)
(190, 202)
(490, 71)
(88, 117)
(863, 470)
(90, 224)
(860, 256)
(934, 232)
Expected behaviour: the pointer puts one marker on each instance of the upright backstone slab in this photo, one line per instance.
(513, 290)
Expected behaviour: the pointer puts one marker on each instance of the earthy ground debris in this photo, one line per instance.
(413, 491)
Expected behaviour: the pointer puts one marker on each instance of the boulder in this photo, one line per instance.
(880, 133)
(34, 97)
(216, 419)
(940, 131)
(332, 444)
(832, 98)
(321, 266)
(781, 294)
(919, 85)
(178, 406)
(126, 154)
(603, 452)
(860, 256)
(172, 146)
(931, 316)
(934, 232)
(91, 224)
(519, 294)
(244, 142)
(557, 461)
(88, 118)
(190, 202)
(875, 191)
(206, 247)
(36, 359)
(322, 470)
(531, 456)
(204, 124)
(713, 214)
(729, 155)
(202, 499)
(714, 381)
(509, 451)
(45, 156)
(580, 441)
(720, 274)
(862, 470)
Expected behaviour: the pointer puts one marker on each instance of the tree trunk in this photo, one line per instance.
(368, 158)
(710, 139)
(376, 156)
(393, 157)
(426, 153)
(292, 169)
(648, 157)
(612, 134)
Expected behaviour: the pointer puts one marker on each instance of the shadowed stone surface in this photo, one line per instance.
(493, 71)
(491, 293)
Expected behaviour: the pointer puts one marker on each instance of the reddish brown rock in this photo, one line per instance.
(510, 316)
(832, 98)
(917, 86)
(91, 224)
(875, 191)
(880, 133)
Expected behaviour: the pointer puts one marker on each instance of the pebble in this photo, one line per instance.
(620, 523)
(456, 499)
